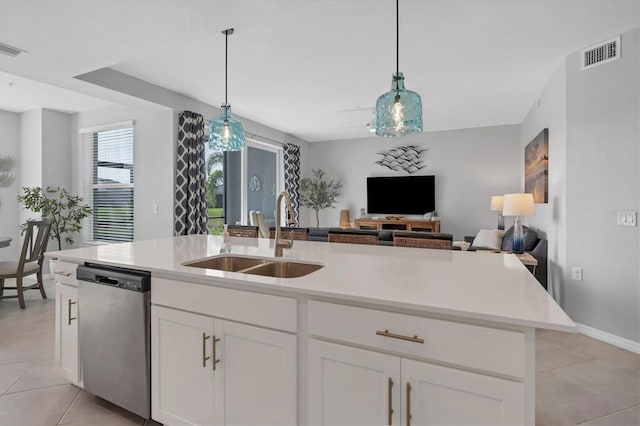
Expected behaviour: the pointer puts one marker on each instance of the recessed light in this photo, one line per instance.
(10, 50)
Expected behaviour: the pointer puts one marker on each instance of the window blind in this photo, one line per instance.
(108, 183)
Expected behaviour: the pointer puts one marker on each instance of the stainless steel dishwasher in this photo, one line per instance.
(114, 340)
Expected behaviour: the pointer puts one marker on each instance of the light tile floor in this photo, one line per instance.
(579, 380)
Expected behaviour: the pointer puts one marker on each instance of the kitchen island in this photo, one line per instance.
(377, 335)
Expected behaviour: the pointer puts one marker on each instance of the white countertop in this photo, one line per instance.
(493, 287)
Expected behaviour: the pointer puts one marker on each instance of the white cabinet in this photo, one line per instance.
(66, 343)
(350, 386)
(182, 377)
(210, 371)
(436, 395)
(258, 376)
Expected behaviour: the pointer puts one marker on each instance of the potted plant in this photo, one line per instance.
(64, 210)
(318, 194)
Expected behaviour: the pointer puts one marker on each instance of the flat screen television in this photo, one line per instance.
(401, 194)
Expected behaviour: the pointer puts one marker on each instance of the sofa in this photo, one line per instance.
(535, 245)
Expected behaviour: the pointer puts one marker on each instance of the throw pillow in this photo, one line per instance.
(489, 239)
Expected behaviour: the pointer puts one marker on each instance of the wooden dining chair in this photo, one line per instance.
(430, 240)
(353, 236)
(35, 243)
(243, 231)
(298, 234)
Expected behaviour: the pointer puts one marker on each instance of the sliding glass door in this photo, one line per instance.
(248, 180)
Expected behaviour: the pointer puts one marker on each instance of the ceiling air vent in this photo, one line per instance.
(601, 53)
(10, 51)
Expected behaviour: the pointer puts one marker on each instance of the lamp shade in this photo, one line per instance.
(497, 202)
(399, 111)
(518, 205)
(225, 132)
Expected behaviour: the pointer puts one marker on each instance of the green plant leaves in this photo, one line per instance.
(317, 194)
(64, 210)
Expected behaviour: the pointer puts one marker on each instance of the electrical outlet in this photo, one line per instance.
(627, 218)
(576, 273)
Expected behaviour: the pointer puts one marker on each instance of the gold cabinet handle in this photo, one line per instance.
(215, 361)
(69, 317)
(204, 350)
(64, 274)
(408, 404)
(390, 402)
(386, 333)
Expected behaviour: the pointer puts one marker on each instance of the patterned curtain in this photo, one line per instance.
(292, 176)
(191, 204)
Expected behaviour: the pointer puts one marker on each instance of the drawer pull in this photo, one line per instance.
(69, 317)
(408, 404)
(386, 333)
(390, 408)
(215, 361)
(64, 274)
(204, 349)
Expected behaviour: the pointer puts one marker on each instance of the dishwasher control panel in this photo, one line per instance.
(126, 279)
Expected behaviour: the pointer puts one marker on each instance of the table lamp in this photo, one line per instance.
(496, 206)
(518, 205)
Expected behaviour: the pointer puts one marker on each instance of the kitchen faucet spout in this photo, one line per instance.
(281, 243)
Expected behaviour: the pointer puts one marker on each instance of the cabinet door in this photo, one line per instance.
(446, 396)
(182, 376)
(349, 386)
(256, 376)
(67, 331)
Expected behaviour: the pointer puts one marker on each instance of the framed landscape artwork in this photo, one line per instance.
(536, 167)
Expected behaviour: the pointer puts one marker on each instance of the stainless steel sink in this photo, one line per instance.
(226, 263)
(256, 266)
(280, 269)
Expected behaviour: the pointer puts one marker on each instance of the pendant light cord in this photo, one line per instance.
(226, 55)
(397, 36)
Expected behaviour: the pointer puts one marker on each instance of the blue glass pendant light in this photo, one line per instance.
(399, 111)
(225, 132)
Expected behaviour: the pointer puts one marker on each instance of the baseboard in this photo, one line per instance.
(612, 339)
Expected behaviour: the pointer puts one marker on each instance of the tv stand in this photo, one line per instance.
(398, 224)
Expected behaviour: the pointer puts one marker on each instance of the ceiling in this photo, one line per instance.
(18, 94)
(314, 68)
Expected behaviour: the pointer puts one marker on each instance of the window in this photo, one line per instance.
(108, 183)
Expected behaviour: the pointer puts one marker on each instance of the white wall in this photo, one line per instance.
(153, 164)
(30, 154)
(470, 165)
(550, 219)
(44, 154)
(9, 142)
(603, 174)
(56, 149)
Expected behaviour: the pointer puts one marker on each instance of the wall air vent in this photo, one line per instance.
(10, 51)
(601, 53)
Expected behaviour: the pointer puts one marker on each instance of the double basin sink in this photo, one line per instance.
(256, 266)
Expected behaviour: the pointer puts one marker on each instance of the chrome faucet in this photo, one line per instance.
(281, 243)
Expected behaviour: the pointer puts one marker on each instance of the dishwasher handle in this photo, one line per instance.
(104, 279)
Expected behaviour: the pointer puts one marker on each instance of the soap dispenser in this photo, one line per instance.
(226, 247)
